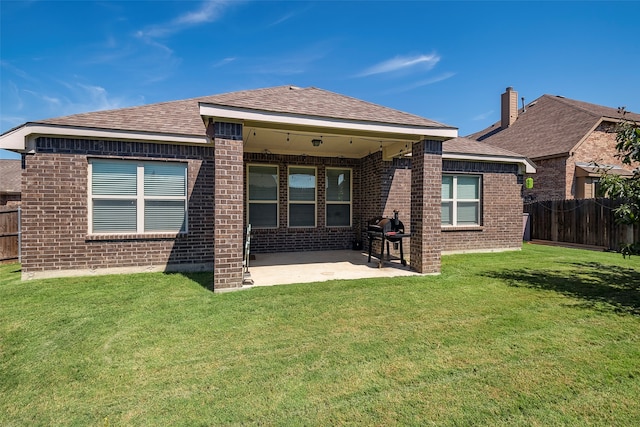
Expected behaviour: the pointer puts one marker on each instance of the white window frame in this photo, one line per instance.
(139, 198)
(455, 200)
(266, 202)
(328, 202)
(302, 202)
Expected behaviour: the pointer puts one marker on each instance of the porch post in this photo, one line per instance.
(228, 207)
(426, 198)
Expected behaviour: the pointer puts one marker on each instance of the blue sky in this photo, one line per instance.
(447, 61)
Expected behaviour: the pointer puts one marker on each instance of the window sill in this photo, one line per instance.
(135, 236)
(463, 228)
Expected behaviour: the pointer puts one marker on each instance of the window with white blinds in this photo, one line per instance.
(137, 197)
(460, 200)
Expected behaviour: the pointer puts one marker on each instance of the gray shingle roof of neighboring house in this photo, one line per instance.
(549, 126)
(10, 176)
(183, 117)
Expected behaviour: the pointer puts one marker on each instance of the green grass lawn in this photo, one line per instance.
(545, 336)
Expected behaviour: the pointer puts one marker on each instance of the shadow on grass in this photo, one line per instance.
(599, 286)
(204, 279)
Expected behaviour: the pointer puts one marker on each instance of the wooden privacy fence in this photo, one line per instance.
(585, 222)
(9, 235)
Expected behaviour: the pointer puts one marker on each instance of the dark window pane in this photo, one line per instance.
(302, 215)
(338, 215)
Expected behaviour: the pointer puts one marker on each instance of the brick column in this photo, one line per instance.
(426, 198)
(228, 207)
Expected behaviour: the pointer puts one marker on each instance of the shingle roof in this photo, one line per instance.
(183, 117)
(462, 145)
(550, 126)
(11, 174)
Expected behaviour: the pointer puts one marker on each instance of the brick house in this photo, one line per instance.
(171, 186)
(564, 138)
(10, 182)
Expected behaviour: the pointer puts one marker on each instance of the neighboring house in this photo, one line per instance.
(10, 182)
(172, 186)
(564, 138)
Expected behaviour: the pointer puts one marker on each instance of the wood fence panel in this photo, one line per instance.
(584, 222)
(9, 228)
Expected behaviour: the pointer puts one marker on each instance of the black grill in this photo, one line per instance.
(386, 230)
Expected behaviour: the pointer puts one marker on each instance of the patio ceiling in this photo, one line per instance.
(296, 140)
(287, 133)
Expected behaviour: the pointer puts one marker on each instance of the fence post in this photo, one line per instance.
(554, 221)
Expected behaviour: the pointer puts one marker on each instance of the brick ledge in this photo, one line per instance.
(471, 228)
(146, 236)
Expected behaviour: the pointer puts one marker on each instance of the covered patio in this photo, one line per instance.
(318, 266)
(307, 169)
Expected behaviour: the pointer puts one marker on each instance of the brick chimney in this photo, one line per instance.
(509, 108)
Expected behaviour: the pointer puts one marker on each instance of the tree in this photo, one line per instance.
(625, 189)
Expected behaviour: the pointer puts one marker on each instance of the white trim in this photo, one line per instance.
(241, 114)
(454, 200)
(140, 198)
(529, 166)
(19, 138)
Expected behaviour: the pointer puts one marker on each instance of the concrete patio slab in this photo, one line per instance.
(318, 266)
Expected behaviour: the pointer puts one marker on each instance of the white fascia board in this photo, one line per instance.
(240, 114)
(527, 164)
(19, 138)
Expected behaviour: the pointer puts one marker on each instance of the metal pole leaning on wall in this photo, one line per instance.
(19, 234)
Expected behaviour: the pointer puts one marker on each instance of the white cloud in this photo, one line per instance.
(403, 63)
(282, 19)
(15, 70)
(12, 121)
(436, 79)
(483, 116)
(51, 101)
(290, 63)
(99, 99)
(79, 98)
(209, 11)
(224, 62)
(420, 83)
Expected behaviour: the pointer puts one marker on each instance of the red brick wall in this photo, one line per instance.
(387, 187)
(555, 177)
(501, 218)
(426, 184)
(379, 187)
(54, 203)
(396, 190)
(54, 210)
(549, 181)
(285, 239)
(228, 214)
(598, 147)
